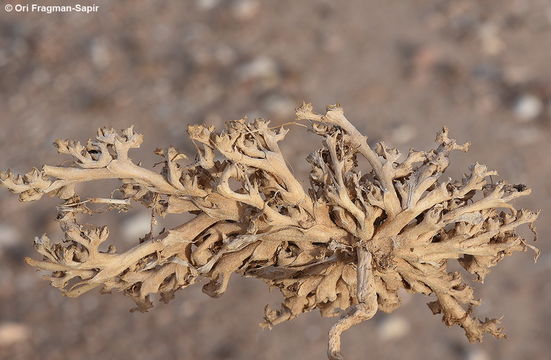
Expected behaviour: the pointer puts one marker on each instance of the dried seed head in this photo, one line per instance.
(350, 242)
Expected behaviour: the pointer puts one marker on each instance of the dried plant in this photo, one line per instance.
(345, 246)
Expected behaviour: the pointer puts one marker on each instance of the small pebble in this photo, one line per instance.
(12, 333)
(207, 4)
(477, 354)
(393, 327)
(279, 106)
(101, 56)
(136, 226)
(528, 107)
(261, 67)
(9, 236)
(225, 55)
(245, 9)
(491, 42)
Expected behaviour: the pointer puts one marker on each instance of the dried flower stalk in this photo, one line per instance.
(345, 246)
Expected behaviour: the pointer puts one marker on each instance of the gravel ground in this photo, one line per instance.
(401, 70)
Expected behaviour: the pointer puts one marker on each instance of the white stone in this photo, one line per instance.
(261, 67)
(393, 327)
(477, 354)
(528, 107)
(136, 226)
(11, 333)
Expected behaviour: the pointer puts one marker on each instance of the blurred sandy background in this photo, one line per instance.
(401, 69)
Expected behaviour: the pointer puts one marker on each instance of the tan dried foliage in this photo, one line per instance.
(346, 245)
